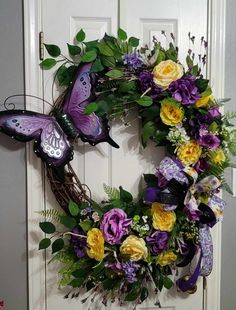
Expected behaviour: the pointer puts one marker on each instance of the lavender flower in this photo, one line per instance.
(133, 60)
(184, 90)
(78, 243)
(158, 241)
(130, 269)
(146, 82)
(208, 139)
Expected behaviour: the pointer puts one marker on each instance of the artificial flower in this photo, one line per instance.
(130, 269)
(134, 247)
(208, 139)
(95, 243)
(166, 258)
(171, 112)
(161, 219)
(166, 72)
(132, 60)
(203, 101)
(184, 90)
(189, 152)
(158, 241)
(115, 224)
(78, 243)
(218, 156)
(147, 84)
(214, 112)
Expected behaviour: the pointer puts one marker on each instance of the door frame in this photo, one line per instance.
(35, 176)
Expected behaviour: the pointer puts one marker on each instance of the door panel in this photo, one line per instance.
(103, 164)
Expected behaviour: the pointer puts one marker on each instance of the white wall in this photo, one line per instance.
(13, 275)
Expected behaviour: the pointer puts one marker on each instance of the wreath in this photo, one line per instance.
(124, 247)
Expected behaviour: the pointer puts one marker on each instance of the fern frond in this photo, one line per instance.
(226, 187)
(112, 192)
(51, 214)
(230, 115)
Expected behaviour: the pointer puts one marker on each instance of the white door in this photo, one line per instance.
(61, 20)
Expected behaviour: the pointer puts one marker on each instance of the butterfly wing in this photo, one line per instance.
(91, 128)
(50, 144)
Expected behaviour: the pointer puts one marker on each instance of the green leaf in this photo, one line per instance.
(161, 56)
(108, 61)
(80, 36)
(48, 63)
(47, 227)
(91, 45)
(77, 282)
(167, 282)
(207, 92)
(134, 42)
(189, 61)
(148, 131)
(68, 221)
(202, 84)
(44, 243)
(195, 70)
(104, 49)
(109, 284)
(98, 269)
(112, 192)
(134, 292)
(73, 208)
(89, 56)
(57, 245)
(122, 35)
(125, 196)
(86, 225)
(73, 49)
(97, 66)
(53, 50)
(144, 294)
(115, 74)
(90, 108)
(65, 75)
(144, 101)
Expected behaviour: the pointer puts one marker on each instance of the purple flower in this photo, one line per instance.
(146, 82)
(162, 181)
(208, 139)
(132, 60)
(130, 269)
(158, 241)
(184, 90)
(78, 243)
(214, 112)
(115, 225)
(201, 165)
(151, 194)
(115, 266)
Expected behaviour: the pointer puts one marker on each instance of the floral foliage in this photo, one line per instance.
(123, 244)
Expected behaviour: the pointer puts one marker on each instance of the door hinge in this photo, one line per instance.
(41, 46)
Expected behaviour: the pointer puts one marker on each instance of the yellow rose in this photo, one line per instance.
(161, 219)
(171, 112)
(189, 152)
(218, 156)
(134, 247)
(166, 72)
(203, 101)
(95, 243)
(166, 258)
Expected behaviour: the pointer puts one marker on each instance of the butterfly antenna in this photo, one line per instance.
(11, 105)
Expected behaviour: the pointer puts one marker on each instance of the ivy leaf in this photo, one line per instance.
(115, 74)
(167, 282)
(144, 101)
(89, 56)
(47, 227)
(53, 50)
(97, 66)
(125, 196)
(48, 63)
(90, 108)
(44, 243)
(73, 208)
(73, 49)
(134, 42)
(104, 49)
(86, 225)
(122, 35)
(68, 221)
(80, 36)
(57, 245)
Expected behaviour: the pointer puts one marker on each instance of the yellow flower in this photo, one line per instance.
(189, 152)
(166, 72)
(161, 219)
(171, 112)
(203, 101)
(218, 156)
(134, 247)
(166, 258)
(95, 243)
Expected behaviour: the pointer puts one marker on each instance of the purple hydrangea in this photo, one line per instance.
(158, 241)
(133, 60)
(146, 82)
(78, 243)
(184, 90)
(130, 269)
(208, 139)
(115, 225)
